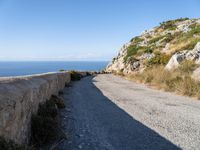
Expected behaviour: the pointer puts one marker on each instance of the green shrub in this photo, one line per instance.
(131, 50)
(48, 109)
(148, 50)
(169, 37)
(44, 129)
(75, 76)
(194, 31)
(44, 125)
(10, 145)
(136, 39)
(61, 70)
(170, 25)
(58, 101)
(113, 60)
(156, 39)
(158, 59)
(182, 19)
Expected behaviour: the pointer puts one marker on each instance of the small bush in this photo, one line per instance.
(44, 129)
(131, 50)
(59, 101)
(169, 37)
(170, 25)
(10, 145)
(156, 39)
(75, 76)
(137, 39)
(148, 50)
(182, 19)
(48, 109)
(61, 70)
(159, 59)
(44, 125)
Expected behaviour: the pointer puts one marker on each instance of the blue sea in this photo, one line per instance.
(29, 68)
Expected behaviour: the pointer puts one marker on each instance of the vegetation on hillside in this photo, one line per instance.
(158, 59)
(146, 56)
(178, 81)
(166, 33)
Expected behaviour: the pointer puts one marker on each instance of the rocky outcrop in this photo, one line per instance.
(19, 99)
(117, 62)
(169, 40)
(192, 55)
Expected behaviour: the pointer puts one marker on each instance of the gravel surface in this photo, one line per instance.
(107, 112)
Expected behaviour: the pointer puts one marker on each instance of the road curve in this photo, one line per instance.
(107, 112)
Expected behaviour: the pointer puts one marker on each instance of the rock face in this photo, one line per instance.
(193, 55)
(19, 99)
(172, 39)
(117, 63)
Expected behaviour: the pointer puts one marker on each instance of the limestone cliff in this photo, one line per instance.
(159, 46)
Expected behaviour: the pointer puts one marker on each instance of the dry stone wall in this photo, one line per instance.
(20, 98)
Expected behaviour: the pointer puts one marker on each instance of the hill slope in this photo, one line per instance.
(159, 46)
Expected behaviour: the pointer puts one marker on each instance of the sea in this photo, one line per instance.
(21, 68)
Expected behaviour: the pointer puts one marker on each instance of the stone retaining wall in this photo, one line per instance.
(19, 99)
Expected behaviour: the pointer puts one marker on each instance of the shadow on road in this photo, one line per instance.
(110, 123)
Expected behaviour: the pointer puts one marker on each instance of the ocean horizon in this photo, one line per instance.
(21, 68)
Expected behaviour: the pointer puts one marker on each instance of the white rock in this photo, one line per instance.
(174, 61)
(196, 74)
(193, 55)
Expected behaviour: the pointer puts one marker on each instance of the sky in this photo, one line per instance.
(88, 30)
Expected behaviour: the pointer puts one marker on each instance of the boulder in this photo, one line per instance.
(193, 55)
(175, 61)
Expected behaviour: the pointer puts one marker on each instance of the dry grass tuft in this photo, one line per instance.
(178, 81)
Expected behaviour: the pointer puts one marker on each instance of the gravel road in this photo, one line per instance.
(107, 112)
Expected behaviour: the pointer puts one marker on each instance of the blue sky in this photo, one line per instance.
(80, 29)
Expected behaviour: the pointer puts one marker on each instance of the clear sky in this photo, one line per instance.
(80, 29)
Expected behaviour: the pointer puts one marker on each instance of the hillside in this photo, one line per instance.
(167, 57)
(156, 46)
